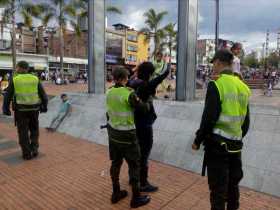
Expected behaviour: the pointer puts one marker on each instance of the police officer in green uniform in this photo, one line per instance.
(123, 143)
(28, 98)
(225, 121)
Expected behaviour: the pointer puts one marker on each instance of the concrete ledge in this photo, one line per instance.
(174, 134)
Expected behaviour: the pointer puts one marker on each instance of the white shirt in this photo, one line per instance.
(236, 65)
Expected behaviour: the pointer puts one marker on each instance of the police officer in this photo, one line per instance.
(145, 89)
(225, 121)
(28, 98)
(123, 143)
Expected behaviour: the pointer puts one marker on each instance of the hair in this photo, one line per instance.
(145, 71)
(120, 73)
(224, 56)
(159, 53)
(63, 95)
(23, 65)
(235, 46)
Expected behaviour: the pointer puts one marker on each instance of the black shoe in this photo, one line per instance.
(35, 153)
(139, 201)
(27, 157)
(148, 188)
(116, 197)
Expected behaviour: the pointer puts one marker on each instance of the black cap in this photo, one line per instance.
(224, 56)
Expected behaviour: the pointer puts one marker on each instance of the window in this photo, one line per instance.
(132, 48)
(132, 58)
(132, 38)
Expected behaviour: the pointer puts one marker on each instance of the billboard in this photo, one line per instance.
(114, 43)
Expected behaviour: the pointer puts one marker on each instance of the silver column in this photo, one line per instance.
(186, 56)
(96, 52)
(217, 25)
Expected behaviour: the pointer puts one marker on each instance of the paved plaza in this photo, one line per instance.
(73, 174)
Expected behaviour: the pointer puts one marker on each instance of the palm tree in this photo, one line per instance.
(26, 9)
(82, 12)
(153, 30)
(83, 5)
(171, 37)
(61, 11)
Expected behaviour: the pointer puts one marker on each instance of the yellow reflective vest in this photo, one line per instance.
(234, 97)
(26, 89)
(120, 112)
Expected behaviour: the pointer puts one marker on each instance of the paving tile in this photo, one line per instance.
(74, 174)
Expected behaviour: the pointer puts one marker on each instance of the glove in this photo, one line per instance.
(43, 109)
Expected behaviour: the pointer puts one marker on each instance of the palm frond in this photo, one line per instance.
(83, 13)
(160, 16)
(4, 3)
(113, 9)
(46, 18)
(69, 10)
(77, 28)
(27, 18)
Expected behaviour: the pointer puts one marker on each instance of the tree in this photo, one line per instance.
(83, 8)
(273, 59)
(153, 30)
(27, 11)
(171, 38)
(82, 12)
(60, 11)
(251, 60)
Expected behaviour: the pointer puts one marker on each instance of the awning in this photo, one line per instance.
(40, 67)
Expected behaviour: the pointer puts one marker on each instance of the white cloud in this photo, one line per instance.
(200, 18)
(133, 18)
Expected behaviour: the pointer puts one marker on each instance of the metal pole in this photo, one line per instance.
(96, 52)
(217, 25)
(186, 56)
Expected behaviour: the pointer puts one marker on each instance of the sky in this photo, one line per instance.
(245, 21)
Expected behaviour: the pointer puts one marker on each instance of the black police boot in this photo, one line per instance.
(145, 186)
(26, 156)
(118, 194)
(138, 200)
(148, 188)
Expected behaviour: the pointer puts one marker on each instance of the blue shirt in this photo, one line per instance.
(64, 107)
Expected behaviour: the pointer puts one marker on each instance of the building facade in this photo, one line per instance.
(135, 44)
(206, 49)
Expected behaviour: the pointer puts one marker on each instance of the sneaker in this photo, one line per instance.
(148, 188)
(140, 201)
(116, 197)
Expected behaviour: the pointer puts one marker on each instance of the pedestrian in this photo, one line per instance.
(236, 50)
(225, 121)
(123, 143)
(28, 98)
(64, 110)
(145, 89)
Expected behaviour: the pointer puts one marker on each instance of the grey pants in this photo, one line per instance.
(57, 121)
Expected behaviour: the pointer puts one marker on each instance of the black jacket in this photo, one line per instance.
(9, 96)
(211, 115)
(145, 91)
